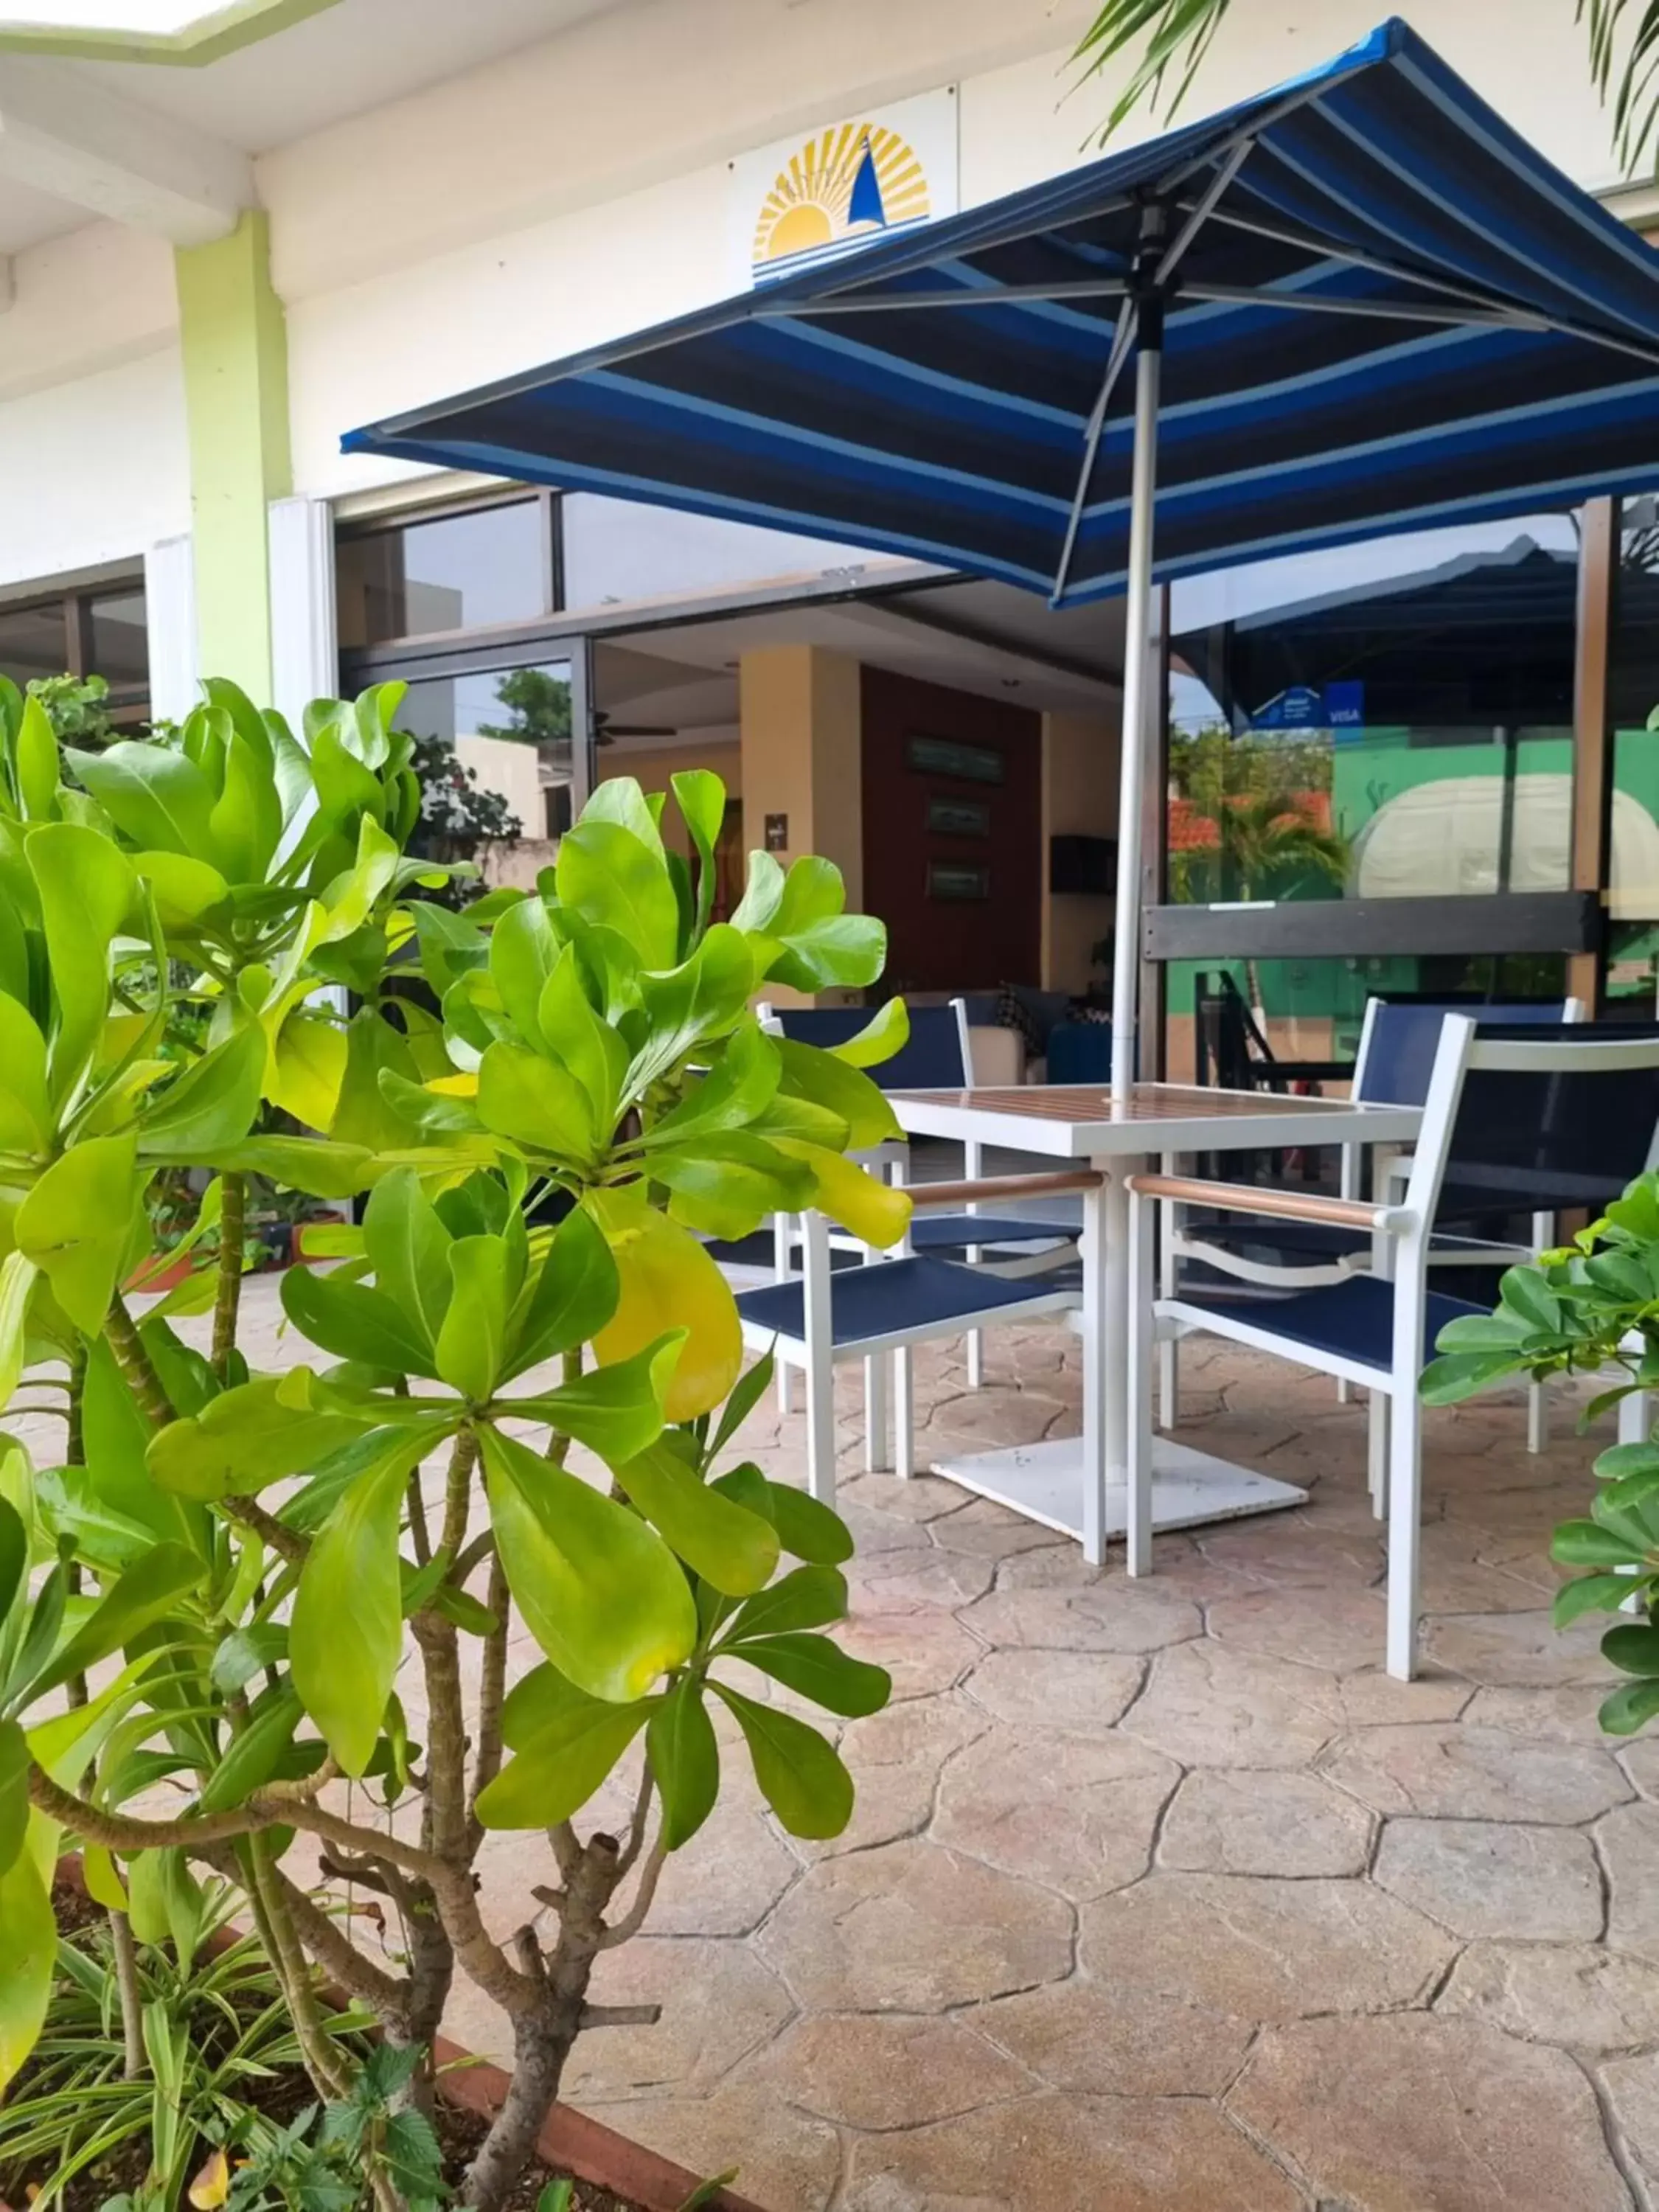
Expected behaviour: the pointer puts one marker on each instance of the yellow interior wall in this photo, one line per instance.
(1080, 800)
(652, 770)
(802, 736)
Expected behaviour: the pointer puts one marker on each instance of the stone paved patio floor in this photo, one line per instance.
(1163, 1897)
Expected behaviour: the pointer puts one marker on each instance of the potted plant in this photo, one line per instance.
(236, 1562)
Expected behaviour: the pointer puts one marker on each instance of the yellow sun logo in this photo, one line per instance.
(850, 184)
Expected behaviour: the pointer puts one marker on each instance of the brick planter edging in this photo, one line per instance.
(570, 2141)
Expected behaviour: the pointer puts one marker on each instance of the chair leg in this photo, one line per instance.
(1636, 1416)
(1404, 1429)
(1377, 1451)
(1169, 1356)
(1538, 1418)
(819, 1350)
(1343, 1390)
(1168, 1382)
(1142, 1328)
(781, 1274)
(973, 1164)
(904, 1414)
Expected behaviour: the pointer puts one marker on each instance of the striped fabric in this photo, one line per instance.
(1507, 360)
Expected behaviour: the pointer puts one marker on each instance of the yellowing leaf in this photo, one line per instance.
(212, 2184)
(875, 1213)
(306, 1069)
(669, 1281)
(28, 1948)
(104, 1884)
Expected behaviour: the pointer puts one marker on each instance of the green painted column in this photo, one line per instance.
(234, 343)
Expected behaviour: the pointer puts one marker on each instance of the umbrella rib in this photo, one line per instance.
(1202, 212)
(1393, 311)
(1114, 361)
(875, 303)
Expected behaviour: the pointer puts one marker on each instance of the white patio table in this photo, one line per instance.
(1078, 1483)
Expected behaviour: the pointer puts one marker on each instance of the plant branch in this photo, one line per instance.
(137, 1367)
(492, 1695)
(125, 1954)
(619, 1932)
(227, 1295)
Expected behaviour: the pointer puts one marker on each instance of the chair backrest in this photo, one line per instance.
(1566, 1114)
(1398, 1042)
(935, 1056)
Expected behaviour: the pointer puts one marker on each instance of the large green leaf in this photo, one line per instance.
(686, 1760)
(14, 1554)
(13, 1792)
(320, 1168)
(598, 1589)
(353, 1323)
(186, 891)
(570, 1299)
(155, 796)
(562, 1762)
(85, 887)
(801, 1776)
(407, 1247)
(526, 1097)
(524, 950)
(589, 1049)
(806, 1597)
(472, 1349)
(28, 1948)
(146, 1593)
(847, 1092)
(75, 1222)
(701, 797)
(247, 1438)
(734, 1550)
(701, 999)
(37, 762)
(725, 1183)
(614, 880)
(616, 1411)
(17, 1277)
(27, 1120)
(246, 822)
(740, 1085)
(347, 1630)
(213, 1103)
(815, 1668)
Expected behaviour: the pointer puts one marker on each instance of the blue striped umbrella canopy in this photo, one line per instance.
(1359, 302)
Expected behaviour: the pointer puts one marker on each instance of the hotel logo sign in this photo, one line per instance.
(805, 200)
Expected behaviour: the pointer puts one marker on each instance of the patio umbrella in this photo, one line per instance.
(1359, 302)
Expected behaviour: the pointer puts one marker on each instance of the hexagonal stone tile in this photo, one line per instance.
(1263, 1949)
(1566, 1714)
(1524, 1649)
(1629, 1840)
(1372, 1698)
(1410, 2112)
(895, 1756)
(923, 1497)
(1110, 1617)
(876, 2071)
(1209, 1705)
(719, 2002)
(1339, 1629)
(925, 1650)
(1444, 1771)
(1097, 2040)
(896, 1581)
(984, 1526)
(982, 1420)
(1631, 2087)
(1256, 1821)
(786, 2157)
(913, 1927)
(726, 1879)
(1492, 1878)
(1579, 1994)
(1075, 1812)
(1065, 2154)
(1471, 1586)
(1084, 1693)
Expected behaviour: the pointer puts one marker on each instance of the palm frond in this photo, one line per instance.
(1170, 35)
(1624, 48)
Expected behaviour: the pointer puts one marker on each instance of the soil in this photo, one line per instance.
(280, 2098)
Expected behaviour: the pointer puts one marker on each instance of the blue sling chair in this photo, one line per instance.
(1560, 1117)
(938, 1056)
(1392, 1066)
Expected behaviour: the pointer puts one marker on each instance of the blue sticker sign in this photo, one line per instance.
(1339, 705)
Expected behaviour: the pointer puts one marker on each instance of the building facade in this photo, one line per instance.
(212, 274)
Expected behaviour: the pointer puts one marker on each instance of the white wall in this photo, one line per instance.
(94, 469)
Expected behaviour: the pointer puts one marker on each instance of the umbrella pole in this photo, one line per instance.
(1137, 696)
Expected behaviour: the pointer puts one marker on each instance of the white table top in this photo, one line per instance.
(1081, 1122)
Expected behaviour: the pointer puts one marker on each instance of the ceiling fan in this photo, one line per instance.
(607, 730)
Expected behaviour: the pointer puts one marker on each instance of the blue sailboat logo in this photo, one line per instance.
(866, 204)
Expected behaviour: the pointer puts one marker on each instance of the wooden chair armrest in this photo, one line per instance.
(1280, 1204)
(998, 1190)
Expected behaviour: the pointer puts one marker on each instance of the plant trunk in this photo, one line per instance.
(133, 2008)
(228, 1299)
(544, 2032)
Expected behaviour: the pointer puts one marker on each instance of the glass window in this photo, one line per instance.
(453, 572)
(1633, 900)
(33, 642)
(120, 640)
(513, 727)
(1390, 721)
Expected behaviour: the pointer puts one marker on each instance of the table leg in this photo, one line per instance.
(1140, 1335)
(1096, 1253)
